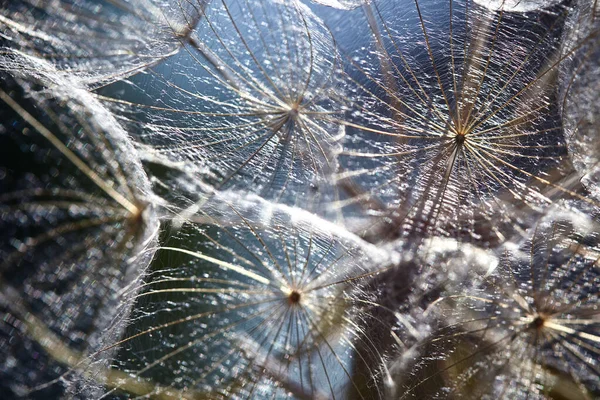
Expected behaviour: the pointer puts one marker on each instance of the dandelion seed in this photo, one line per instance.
(528, 330)
(252, 98)
(99, 42)
(255, 312)
(75, 224)
(458, 119)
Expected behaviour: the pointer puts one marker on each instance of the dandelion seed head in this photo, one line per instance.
(527, 325)
(457, 117)
(273, 311)
(80, 233)
(269, 122)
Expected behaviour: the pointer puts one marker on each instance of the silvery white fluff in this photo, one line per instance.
(350, 199)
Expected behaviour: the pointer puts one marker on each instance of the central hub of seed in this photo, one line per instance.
(538, 322)
(294, 111)
(460, 138)
(294, 297)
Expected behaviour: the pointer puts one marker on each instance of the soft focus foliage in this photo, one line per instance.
(307, 199)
